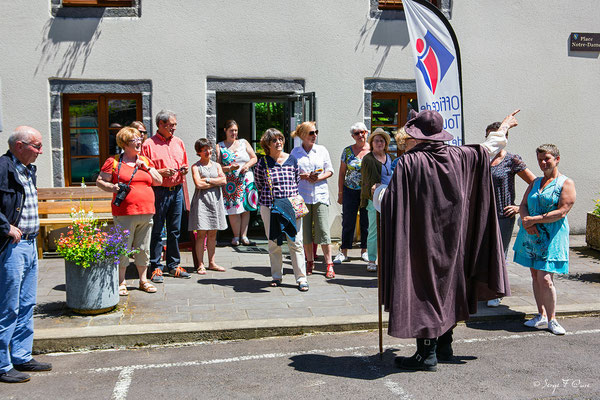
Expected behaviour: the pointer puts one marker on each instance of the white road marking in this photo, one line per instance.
(122, 385)
(267, 356)
(397, 389)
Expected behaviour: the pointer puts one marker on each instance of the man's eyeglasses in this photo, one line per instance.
(313, 133)
(35, 146)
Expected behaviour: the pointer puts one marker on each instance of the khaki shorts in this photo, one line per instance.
(317, 221)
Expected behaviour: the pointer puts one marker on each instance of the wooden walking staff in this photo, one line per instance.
(379, 289)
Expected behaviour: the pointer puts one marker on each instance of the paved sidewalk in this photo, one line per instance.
(239, 303)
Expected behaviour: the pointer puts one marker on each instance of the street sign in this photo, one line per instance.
(585, 41)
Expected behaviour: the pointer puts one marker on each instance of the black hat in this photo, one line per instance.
(428, 125)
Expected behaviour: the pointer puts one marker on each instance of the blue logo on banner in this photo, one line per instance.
(434, 60)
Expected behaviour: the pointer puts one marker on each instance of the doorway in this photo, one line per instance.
(254, 113)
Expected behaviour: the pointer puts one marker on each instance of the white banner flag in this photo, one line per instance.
(437, 64)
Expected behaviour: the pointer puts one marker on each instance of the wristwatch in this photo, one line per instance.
(207, 180)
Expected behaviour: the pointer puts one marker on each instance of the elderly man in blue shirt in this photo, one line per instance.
(19, 226)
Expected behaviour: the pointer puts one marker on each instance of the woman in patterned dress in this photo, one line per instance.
(349, 184)
(504, 167)
(543, 240)
(239, 193)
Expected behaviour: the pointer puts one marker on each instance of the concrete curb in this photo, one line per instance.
(107, 337)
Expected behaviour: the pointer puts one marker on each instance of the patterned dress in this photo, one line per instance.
(239, 194)
(550, 250)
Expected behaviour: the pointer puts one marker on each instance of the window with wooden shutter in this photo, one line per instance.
(97, 3)
(397, 4)
(90, 126)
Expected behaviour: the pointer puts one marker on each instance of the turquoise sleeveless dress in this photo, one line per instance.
(550, 251)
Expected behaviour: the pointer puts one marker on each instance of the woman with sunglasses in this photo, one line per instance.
(315, 168)
(349, 185)
(137, 208)
(277, 177)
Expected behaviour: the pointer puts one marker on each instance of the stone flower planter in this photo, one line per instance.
(92, 290)
(592, 231)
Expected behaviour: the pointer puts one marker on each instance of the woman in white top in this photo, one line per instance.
(239, 193)
(315, 168)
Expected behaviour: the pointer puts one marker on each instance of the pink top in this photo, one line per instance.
(166, 153)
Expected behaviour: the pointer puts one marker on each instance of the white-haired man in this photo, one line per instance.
(19, 226)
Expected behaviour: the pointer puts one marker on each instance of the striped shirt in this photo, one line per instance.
(275, 180)
(29, 222)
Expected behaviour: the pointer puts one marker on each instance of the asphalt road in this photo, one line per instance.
(502, 360)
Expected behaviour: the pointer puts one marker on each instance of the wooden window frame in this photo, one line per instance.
(103, 125)
(397, 4)
(97, 3)
(402, 98)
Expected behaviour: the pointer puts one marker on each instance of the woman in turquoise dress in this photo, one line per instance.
(542, 243)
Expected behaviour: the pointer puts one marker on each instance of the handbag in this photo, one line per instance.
(297, 201)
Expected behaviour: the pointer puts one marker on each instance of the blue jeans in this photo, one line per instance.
(350, 206)
(18, 285)
(168, 206)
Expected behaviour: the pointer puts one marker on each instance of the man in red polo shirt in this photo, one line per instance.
(170, 159)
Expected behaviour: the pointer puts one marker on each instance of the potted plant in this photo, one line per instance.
(92, 253)
(592, 227)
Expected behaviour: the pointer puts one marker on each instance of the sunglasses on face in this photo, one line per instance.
(144, 132)
(276, 139)
(313, 133)
(358, 133)
(35, 146)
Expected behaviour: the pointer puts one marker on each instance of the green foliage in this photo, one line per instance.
(596, 210)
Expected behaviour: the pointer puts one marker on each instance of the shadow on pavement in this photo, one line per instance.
(586, 252)
(583, 277)
(242, 285)
(515, 326)
(365, 283)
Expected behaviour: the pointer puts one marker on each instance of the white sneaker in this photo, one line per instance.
(494, 303)
(365, 256)
(372, 267)
(340, 258)
(555, 327)
(537, 322)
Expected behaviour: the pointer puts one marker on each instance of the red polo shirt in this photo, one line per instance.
(166, 153)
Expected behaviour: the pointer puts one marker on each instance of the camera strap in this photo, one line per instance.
(132, 174)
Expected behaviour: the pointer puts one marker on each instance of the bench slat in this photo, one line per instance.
(65, 207)
(72, 193)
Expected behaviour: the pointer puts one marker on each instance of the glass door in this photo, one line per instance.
(301, 108)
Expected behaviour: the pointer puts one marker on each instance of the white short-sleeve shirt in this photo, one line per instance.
(316, 158)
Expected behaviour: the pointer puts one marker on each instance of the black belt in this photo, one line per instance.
(29, 236)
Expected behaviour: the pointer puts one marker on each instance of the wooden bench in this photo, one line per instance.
(55, 206)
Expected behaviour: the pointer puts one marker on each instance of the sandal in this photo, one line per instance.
(275, 283)
(330, 273)
(303, 287)
(201, 270)
(147, 287)
(235, 242)
(216, 268)
(247, 242)
(309, 267)
(123, 290)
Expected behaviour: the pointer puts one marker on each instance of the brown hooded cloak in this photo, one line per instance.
(440, 241)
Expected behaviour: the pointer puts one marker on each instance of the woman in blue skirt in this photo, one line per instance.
(543, 240)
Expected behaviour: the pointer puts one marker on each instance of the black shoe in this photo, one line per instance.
(423, 360)
(444, 351)
(14, 376)
(33, 365)
(179, 272)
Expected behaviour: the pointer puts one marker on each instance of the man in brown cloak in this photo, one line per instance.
(440, 240)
